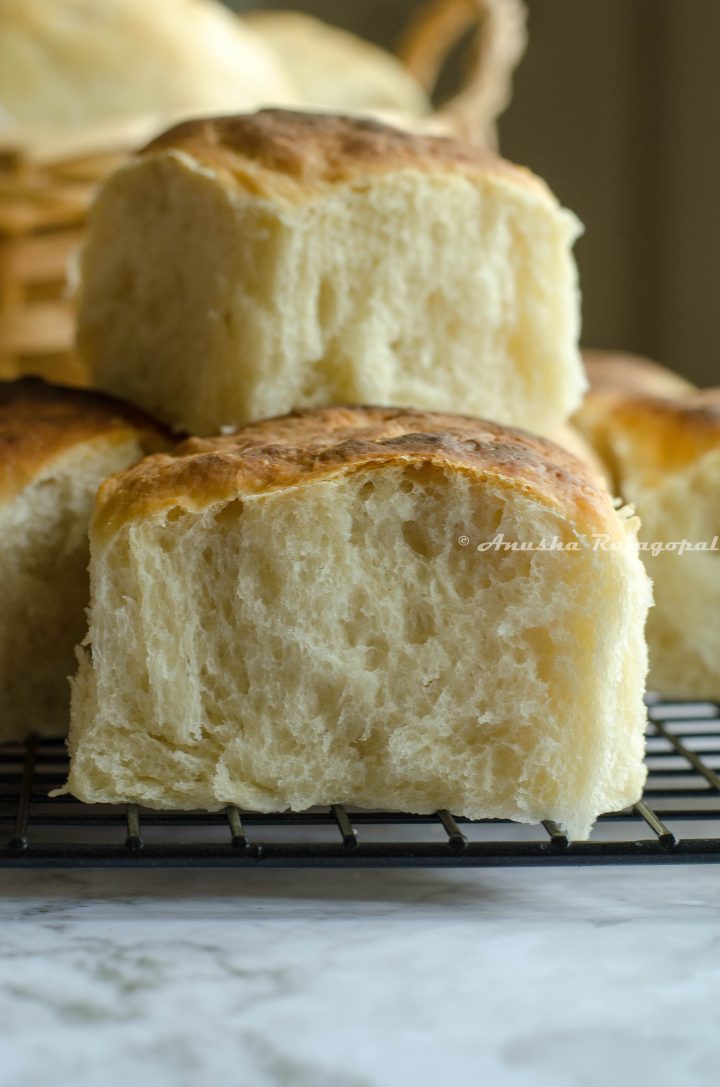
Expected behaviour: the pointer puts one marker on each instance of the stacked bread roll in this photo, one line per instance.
(315, 599)
(321, 607)
(298, 614)
(241, 267)
(83, 83)
(659, 438)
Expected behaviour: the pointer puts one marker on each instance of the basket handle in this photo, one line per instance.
(497, 47)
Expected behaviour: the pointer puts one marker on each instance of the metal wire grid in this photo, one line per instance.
(678, 820)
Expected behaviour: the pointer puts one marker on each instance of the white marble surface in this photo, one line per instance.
(361, 979)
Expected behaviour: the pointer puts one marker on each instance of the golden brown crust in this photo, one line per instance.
(671, 434)
(569, 437)
(651, 435)
(624, 372)
(293, 155)
(39, 422)
(308, 446)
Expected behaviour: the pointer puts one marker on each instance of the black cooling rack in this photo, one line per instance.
(677, 821)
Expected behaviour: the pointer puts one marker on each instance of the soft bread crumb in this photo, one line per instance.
(244, 267)
(57, 445)
(333, 640)
(45, 588)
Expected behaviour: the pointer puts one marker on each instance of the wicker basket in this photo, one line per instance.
(46, 190)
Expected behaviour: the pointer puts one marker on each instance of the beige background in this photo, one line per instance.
(617, 105)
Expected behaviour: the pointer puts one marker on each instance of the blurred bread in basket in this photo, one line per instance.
(332, 68)
(660, 441)
(56, 446)
(240, 267)
(337, 70)
(83, 82)
(67, 63)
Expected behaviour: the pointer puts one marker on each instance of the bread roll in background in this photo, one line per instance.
(244, 266)
(299, 614)
(334, 69)
(614, 375)
(56, 447)
(68, 63)
(664, 458)
(621, 371)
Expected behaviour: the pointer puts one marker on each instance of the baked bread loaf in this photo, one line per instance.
(625, 372)
(56, 446)
(244, 266)
(300, 614)
(664, 458)
(68, 63)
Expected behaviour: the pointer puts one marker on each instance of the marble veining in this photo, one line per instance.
(361, 979)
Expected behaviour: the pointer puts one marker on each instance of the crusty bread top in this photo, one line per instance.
(307, 446)
(286, 154)
(569, 438)
(652, 435)
(629, 373)
(39, 422)
(670, 434)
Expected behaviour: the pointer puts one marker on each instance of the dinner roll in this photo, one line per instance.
(56, 446)
(67, 63)
(241, 267)
(629, 373)
(664, 456)
(335, 69)
(320, 609)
